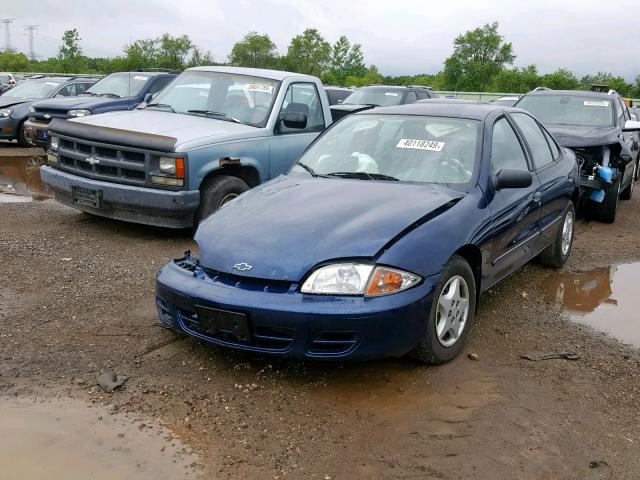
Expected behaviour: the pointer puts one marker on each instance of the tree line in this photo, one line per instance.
(481, 61)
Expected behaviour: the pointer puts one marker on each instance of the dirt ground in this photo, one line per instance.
(77, 298)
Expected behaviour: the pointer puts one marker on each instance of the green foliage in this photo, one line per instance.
(254, 50)
(347, 60)
(372, 75)
(477, 56)
(561, 79)
(605, 78)
(13, 62)
(309, 53)
(69, 53)
(515, 80)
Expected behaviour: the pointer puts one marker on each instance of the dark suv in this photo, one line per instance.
(381, 96)
(598, 127)
(117, 91)
(15, 103)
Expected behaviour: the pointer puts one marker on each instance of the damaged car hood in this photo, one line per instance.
(6, 102)
(573, 136)
(282, 229)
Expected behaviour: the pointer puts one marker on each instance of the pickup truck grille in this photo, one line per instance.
(111, 163)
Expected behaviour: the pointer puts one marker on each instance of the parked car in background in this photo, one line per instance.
(336, 94)
(381, 238)
(212, 134)
(508, 101)
(597, 126)
(5, 83)
(381, 96)
(15, 104)
(117, 91)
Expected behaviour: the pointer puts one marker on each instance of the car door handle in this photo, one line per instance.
(537, 197)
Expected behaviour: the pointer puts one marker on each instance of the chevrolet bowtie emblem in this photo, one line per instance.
(47, 116)
(242, 267)
(92, 160)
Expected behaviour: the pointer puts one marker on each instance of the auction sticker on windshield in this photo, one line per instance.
(594, 103)
(391, 94)
(259, 87)
(420, 144)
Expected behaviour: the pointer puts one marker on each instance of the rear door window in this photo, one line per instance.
(506, 151)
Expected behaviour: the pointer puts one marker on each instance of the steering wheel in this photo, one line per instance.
(457, 165)
(258, 113)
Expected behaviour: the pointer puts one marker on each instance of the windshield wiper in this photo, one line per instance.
(91, 94)
(162, 105)
(113, 95)
(307, 168)
(216, 114)
(362, 175)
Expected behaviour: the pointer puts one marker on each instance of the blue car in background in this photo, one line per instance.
(117, 91)
(380, 239)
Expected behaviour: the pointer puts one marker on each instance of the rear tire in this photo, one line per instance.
(606, 211)
(217, 191)
(434, 349)
(556, 254)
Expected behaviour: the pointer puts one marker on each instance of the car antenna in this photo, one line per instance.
(129, 78)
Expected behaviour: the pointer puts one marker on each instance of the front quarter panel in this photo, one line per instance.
(427, 249)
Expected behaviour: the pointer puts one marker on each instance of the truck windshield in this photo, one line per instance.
(122, 85)
(33, 89)
(244, 98)
(382, 97)
(580, 110)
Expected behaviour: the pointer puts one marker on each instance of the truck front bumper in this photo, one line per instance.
(36, 133)
(149, 206)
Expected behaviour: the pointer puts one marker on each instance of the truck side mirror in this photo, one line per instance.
(294, 120)
(147, 98)
(631, 126)
(507, 178)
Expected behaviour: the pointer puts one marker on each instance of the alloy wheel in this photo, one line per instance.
(452, 311)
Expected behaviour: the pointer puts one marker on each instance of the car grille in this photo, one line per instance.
(326, 344)
(110, 163)
(248, 283)
(45, 116)
(263, 338)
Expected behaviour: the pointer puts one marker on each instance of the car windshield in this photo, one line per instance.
(241, 98)
(382, 97)
(120, 85)
(586, 111)
(396, 147)
(33, 89)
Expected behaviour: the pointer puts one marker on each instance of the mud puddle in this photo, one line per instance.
(607, 298)
(74, 440)
(20, 179)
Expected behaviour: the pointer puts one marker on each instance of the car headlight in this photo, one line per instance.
(5, 112)
(167, 165)
(78, 113)
(54, 143)
(32, 109)
(358, 279)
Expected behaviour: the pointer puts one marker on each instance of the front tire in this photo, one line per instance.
(606, 211)
(628, 192)
(556, 254)
(216, 192)
(451, 315)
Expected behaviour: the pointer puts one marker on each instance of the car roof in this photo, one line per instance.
(254, 72)
(444, 107)
(569, 93)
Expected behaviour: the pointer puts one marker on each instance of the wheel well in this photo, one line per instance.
(575, 197)
(246, 173)
(473, 256)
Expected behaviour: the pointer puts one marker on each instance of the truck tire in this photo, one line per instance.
(556, 254)
(217, 191)
(606, 211)
(434, 348)
(628, 192)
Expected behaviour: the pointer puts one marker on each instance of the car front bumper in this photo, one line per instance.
(9, 128)
(149, 206)
(282, 321)
(37, 133)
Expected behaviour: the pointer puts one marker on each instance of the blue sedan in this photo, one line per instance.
(379, 241)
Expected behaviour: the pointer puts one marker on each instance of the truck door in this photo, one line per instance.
(287, 144)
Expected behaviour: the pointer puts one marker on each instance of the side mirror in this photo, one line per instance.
(147, 98)
(634, 117)
(631, 126)
(294, 120)
(507, 178)
(340, 100)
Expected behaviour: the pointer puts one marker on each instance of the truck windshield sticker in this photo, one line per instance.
(51, 84)
(259, 87)
(594, 103)
(391, 94)
(140, 77)
(420, 144)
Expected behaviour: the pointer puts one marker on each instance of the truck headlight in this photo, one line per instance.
(4, 113)
(79, 113)
(32, 109)
(54, 143)
(358, 279)
(167, 165)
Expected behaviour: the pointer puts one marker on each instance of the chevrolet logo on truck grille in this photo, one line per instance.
(92, 160)
(242, 267)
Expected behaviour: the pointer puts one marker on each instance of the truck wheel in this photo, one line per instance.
(217, 191)
(451, 315)
(606, 211)
(628, 192)
(556, 254)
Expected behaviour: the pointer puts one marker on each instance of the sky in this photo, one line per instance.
(400, 37)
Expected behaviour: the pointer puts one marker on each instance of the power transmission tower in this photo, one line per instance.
(31, 29)
(7, 32)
